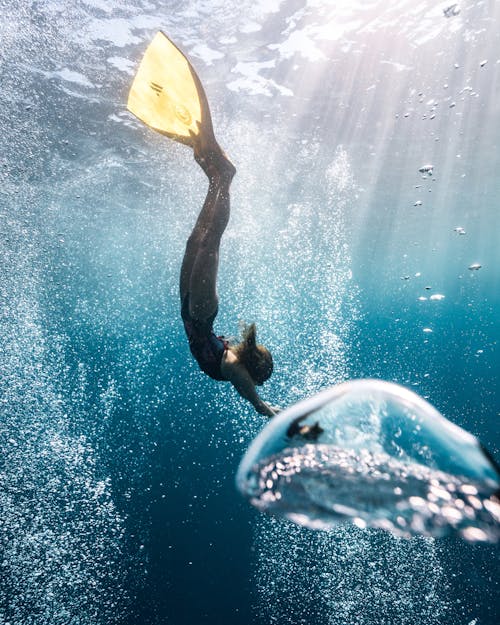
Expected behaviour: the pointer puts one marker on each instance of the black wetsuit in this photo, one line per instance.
(205, 345)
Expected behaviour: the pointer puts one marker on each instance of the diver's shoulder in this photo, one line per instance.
(230, 359)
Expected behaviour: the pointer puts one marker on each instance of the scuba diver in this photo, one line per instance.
(167, 95)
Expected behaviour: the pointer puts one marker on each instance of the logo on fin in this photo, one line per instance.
(156, 87)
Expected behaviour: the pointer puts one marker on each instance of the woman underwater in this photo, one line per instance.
(168, 96)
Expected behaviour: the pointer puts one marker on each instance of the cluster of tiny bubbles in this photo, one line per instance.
(377, 455)
(62, 538)
(310, 281)
(298, 264)
(346, 576)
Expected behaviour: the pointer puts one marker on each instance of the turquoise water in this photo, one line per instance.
(117, 498)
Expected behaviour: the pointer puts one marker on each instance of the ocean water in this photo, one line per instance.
(117, 495)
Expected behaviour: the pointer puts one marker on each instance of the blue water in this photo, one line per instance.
(117, 490)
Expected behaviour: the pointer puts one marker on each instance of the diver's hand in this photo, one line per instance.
(264, 408)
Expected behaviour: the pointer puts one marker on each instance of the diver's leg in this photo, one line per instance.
(199, 266)
(195, 238)
(203, 298)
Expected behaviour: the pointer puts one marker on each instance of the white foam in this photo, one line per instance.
(299, 42)
(209, 55)
(70, 75)
(122, 64)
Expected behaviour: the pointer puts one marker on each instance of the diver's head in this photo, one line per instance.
(256, 358)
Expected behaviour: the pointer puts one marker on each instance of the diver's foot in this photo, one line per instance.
(214, 162)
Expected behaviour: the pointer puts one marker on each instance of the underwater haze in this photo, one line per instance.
(118, 503)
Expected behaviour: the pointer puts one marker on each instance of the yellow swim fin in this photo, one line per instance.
(167, 95)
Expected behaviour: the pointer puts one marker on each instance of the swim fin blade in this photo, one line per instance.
(167, 95)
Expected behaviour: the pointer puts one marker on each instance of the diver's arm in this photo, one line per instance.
(243, 383)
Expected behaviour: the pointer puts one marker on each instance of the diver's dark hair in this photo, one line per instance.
(256, 358)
